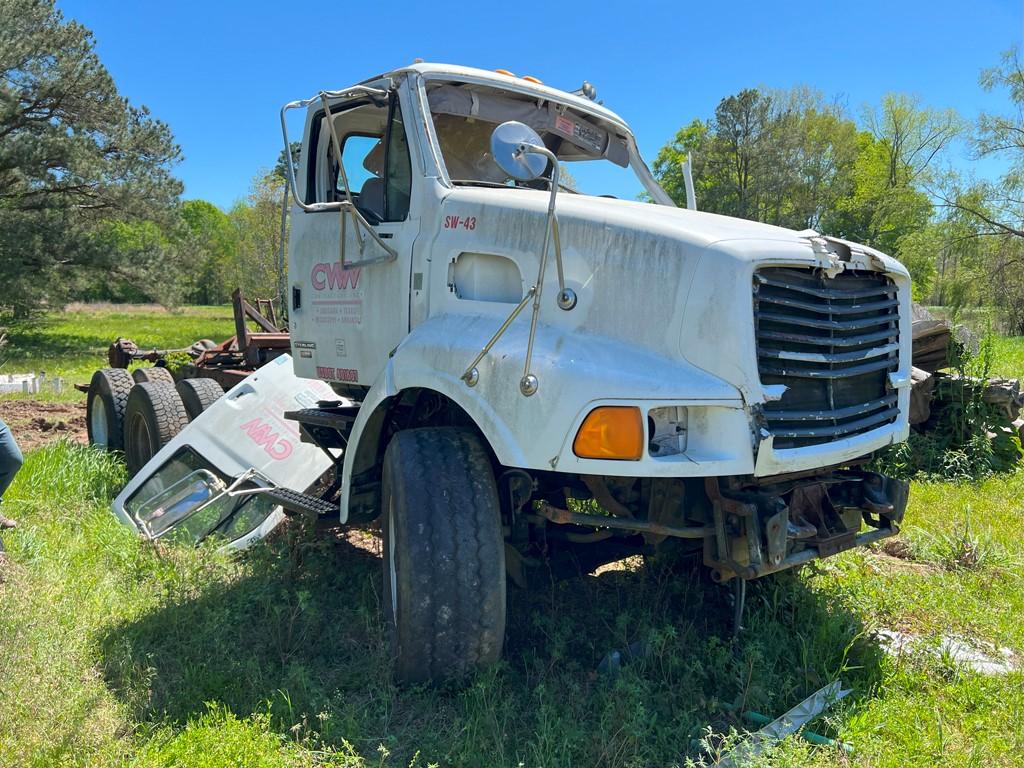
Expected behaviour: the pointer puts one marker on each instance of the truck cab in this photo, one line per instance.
(541, 368)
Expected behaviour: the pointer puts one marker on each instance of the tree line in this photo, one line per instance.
(90, 207)
(794, 159)
(89, 204)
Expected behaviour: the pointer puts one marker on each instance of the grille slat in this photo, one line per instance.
(839, 413)
(826, 293)
(832, 343)
(827, 373)
(831, 309)
(829, 357)
(815, 322)
(839, 430)
(846, 341)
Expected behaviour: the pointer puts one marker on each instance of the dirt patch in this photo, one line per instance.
(897, 556)
(35, 424)
(365, 540)
(105, 307)
(631, 563)
(898, 548)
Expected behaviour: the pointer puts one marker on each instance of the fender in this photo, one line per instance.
(573, 373)
(495, 430)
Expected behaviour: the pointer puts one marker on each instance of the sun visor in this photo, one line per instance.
(493, 108)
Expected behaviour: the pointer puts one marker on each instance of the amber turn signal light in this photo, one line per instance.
(611, 432)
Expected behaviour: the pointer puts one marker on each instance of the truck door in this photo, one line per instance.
(345, 320)
(243, 432)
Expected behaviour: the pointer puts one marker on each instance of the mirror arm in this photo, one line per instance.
(390, 253)
(351, 207)
(552, 229)
(348, 206)
(528, 384)
(372, 93)
(471, 376)
(566, 299)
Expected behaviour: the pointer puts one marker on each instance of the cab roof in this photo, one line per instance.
(511, 82)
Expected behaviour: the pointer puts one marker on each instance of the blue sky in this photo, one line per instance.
(218, 71)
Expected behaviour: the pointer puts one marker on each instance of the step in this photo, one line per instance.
(329, 426)
(300, 503)
(325, 414)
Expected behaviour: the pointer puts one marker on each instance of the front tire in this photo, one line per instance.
(444, 555)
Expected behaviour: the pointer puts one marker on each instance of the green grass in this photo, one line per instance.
(1008, 357)
(118, 653)
(73, 344)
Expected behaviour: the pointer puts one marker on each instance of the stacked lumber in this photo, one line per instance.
(934, 390)
(931, 338)
(930, 389)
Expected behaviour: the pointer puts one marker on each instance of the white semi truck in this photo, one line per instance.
(529, 370)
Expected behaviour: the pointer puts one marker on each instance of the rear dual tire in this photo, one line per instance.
(105, 406)
(444, 556)
(154, 414)
(151, 374)
(198, 394)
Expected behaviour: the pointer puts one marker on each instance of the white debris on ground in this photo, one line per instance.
(992, 661)
(29, 383)
(747, 751)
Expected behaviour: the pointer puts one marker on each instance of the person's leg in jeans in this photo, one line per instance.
(10, 463)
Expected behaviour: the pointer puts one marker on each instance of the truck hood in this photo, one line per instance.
(697, 228)
(681, 226)
(670, 281)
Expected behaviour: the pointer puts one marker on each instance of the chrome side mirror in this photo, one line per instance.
(519, 151)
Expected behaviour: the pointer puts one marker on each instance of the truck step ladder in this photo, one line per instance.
(328, 425)
(300, 503)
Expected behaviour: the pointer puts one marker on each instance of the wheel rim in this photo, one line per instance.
(99, 425)
(392, 572)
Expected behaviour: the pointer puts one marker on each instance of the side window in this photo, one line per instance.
(355, 149)
(360, 132)
(398, 179)
(375, 156)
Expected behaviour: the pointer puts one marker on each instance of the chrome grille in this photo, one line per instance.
(832, 342)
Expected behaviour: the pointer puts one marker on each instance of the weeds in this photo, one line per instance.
(182, 657)
(964, 548)
(964, 439)
(115, 653)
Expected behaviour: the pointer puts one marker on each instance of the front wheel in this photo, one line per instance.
(444, 556)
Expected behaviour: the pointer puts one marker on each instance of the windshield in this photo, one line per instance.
(593, 153)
